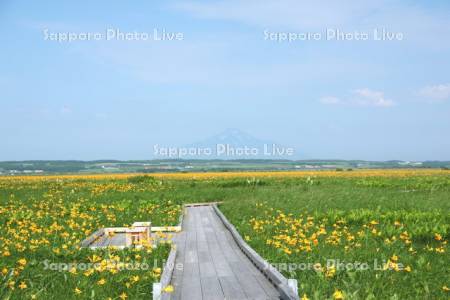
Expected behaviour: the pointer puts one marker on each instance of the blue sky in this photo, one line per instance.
(112, 99)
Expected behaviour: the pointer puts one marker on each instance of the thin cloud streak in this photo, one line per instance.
(360, 97)
(439, 92)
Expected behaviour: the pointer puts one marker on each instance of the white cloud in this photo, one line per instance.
(367, 97)
(438, 92)
(360, 97)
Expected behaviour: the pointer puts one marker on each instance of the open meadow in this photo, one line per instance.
(374, 234)
(225, 150)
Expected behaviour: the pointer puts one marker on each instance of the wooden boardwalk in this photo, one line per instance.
(214, 267)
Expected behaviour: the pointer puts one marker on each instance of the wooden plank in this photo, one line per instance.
(211, 289)
(231, 288)
(180, 241)
(223, 241)
(167, 273)
(207, 269)
(203, 256)
(202, 204)
(248, 282)
(222, 265)
(191, 252)
(177, 276)
(168, 268)
(92, 238)
(264, 283)
(166, 229)
(221, 255)
(101, 242)
(191, 285)
(267, 286)
(219, 260)
(191, 289)
(215, 267)
(276, 277)
(117, 240)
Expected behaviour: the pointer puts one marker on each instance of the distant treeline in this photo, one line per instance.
(179, 165)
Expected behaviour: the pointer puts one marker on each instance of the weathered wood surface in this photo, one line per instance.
(282, 283)
(93, 238)
(214, 267)
(166, 276)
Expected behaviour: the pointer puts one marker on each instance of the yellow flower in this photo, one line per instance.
(11, 284)
(445, 288)
(168, 289)
(22, 285)
(123, 296)
(95, 258)
(338, 295)
(22, 261)
(4, 271)
(77, 291)
(135, 278)
(440, 249)
(287, 251)
(304, 297)
(101, 281)
(394, 258)
(408, 269)
(331, 271)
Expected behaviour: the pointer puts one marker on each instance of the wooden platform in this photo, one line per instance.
(213, 265)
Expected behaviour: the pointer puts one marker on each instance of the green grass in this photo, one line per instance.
(347, 206)
(44, 222)
(279, 217)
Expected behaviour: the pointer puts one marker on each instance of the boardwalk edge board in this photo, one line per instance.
(166, 276)
(167, 272)
(284, 286)
(96, 235)
(202, 204)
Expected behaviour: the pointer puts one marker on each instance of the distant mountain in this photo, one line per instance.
(233, 137)
(237, 144)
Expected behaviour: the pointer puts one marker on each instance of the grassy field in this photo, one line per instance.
(43, 222)
(385, 230)
(361, 238)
